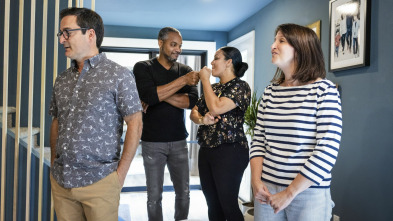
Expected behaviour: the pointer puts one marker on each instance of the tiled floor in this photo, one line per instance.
(133, 204)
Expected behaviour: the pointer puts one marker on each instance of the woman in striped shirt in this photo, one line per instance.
(298, 132)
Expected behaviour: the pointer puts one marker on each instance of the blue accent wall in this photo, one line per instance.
(110, 31)
(13, 59)
(34, 182)
(362, 176)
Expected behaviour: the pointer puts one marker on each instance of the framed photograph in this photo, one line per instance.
(349, 37)
(316, 27)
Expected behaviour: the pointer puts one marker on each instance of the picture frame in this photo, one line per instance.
(349, 49)
(316, 27)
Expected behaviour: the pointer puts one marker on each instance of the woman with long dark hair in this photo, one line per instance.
(223, 155)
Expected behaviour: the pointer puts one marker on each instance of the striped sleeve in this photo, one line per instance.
(258, 144)
(329, 127)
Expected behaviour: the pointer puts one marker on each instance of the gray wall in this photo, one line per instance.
(362, 176)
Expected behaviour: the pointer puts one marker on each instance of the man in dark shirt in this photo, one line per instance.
(89, 103)
(165, 88)
(349, 31)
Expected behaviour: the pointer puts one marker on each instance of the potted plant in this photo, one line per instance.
(250, 120)
(250, 117)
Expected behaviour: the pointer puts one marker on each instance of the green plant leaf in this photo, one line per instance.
(250, 117)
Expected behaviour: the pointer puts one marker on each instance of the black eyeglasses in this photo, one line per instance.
(66, 33)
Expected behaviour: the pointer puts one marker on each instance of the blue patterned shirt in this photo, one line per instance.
(90, 107)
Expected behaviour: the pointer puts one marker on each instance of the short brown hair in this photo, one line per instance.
(86, 18)
(309, 61)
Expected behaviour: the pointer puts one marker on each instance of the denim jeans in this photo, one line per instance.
(155, 156)
(355, 45)
(310, 205)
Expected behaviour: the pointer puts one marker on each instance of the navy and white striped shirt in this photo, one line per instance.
(298, 131)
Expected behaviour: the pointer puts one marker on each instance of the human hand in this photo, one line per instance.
(192, 78)
(209, 119)
(204, 73)
(144, 106)
(261, 193)
(281, 200)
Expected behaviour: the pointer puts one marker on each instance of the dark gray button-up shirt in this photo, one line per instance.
(90, 107)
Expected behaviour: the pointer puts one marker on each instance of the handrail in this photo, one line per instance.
(42, 109)
(30, 108)
(5, 104)
(18, 108)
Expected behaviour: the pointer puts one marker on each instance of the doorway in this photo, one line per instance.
(246, 46)
(128, 57)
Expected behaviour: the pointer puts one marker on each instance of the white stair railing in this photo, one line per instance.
(5, 104)
(18, 104)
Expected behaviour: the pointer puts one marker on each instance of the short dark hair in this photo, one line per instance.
(163, 34)
(233, 53)
(309, 62)
(86, 18)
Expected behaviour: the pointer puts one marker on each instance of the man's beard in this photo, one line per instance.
(168, 56)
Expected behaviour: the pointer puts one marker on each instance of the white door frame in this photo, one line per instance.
(246, 43)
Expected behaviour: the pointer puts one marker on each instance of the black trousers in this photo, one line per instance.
(220, 171)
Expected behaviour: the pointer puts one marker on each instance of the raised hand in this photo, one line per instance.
(205, 73)
(192, 78)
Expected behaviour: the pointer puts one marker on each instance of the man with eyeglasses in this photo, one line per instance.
(90, 100)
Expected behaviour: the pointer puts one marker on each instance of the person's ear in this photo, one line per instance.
(160, 43)
(228, 63)
(91, 33)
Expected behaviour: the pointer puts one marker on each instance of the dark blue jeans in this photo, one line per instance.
(355, 45)
(349, 37)
(155, 156)
(221, 170)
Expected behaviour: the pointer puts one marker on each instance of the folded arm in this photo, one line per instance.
(151, 94)
(216, 105)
